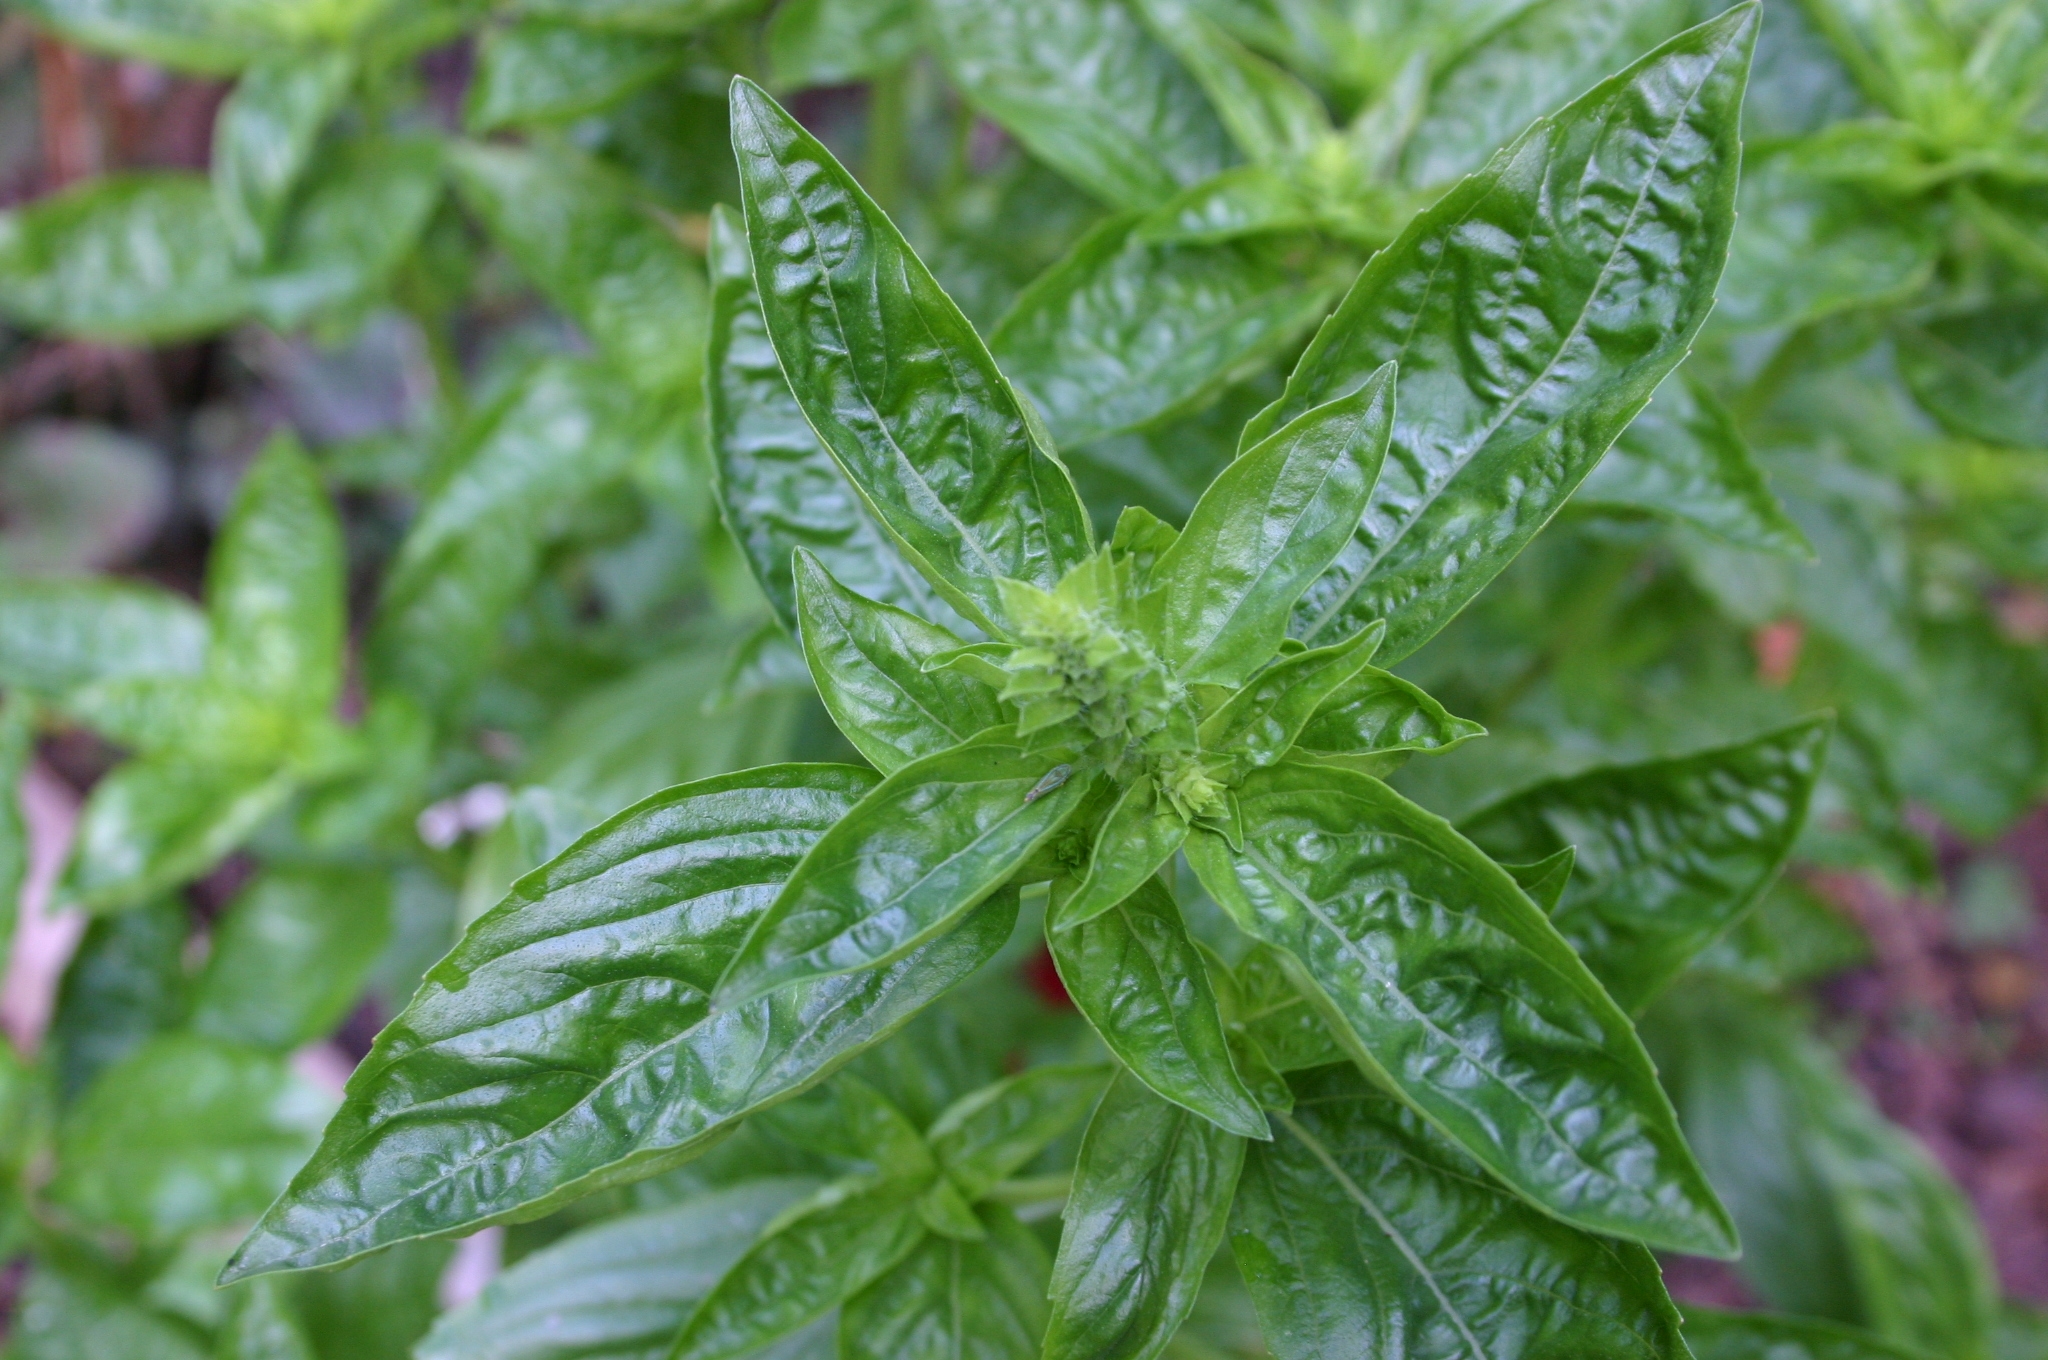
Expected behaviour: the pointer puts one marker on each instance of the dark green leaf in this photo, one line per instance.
(894, 379)
(264, 1326)
(184, 1133)
(374, 1309)
(932, 840)
(1142, 983)
(1088, 91)
(853, 1127)
(1545, 880)
(290, 957)
(74, 1317)
(1288, 1029)
(1670, 852)
(125, 984)
(1715, 1335)
(1150, 1202)
(777, 486)
(1588, 252)
(1983, 374)
(1139, 836)
(1361, 1230)
(58, 634)
(158, 821)
(1262, 721)
(1124, 331)
(1266, 528)
(836, 42)
(985, 1136)
(532, 1068)
(263, 140)
(955, 1300)
(1395, 917)
(622, 1288)
(1378, 713)
(809, 1260)
(576, 230)
(1245, 200)
(543, 72)
(868, 659)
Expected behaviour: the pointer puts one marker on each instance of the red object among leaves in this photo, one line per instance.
(1044, 979)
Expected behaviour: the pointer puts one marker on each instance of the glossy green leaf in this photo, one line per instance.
(835, 42)
(621, 1288)
(1140, 835)
(1287, 1027)
(955, 1300)
(1546, 54)
(1135, 974)
(263, 140)
(1262, 721)
(1150, 1203)
(1545, 880)
(1088, 91)
(1586, 254)
(1982, 374)
(1670, 852)
(57, 634)
(1125, 331)
(263, 1326)
(1361, 1230)
(539, 71)
(1716, 1335)
(1392, 917)
(184, 1133)
(63, 1316)
(987, 1135)
(531, 1069)
(812, 1258)
(868, 662)
(894, 379)
(1245, 200)
(1271, 115)
(290, 957)
(853, 1127)
(778, 488)
(1267, 528)
(931, 841)
(640, 16)
(1684, 459)
(576, 230)
(158, 821)
(1379, 713)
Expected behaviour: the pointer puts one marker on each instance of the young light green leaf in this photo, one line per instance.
(1982, 374)
(1087, 90)
(1271, 116)
(529, 1071)
(1125, 331)
(1377, 713)
(812, 1258)
(986, 1135)
(1590, 249)
(1142, 983)
(575, 229)
(1387, 915)
(894, 379)
(1361, 1230)
(1716, 1335)
(538, 71)
(1265, 530)
(1140, 835)
(1262, 721)
(955, 1300)
(1670, 852)
(1245, 200)
(184, 1133)
(263, 140)
(290, 956)
(620, 1288)
(1149, 1207)
(158, 821)
(778, 488)
(57, 634)
(1684, 459)
(930, 842)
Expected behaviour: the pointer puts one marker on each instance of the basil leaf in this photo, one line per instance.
(955, 1300)
(537, 71)
(184, 1133)
(853, 1127)
(1285, 1025)
(1149, 1206)
(1125, 331)
(836, 42)
(1715, 1335)
(58, 634)
(894, 379)
(623, 1287)
(637, 16)
(1271, 116)
(290, 957)
(263, 139)
(1376, 712)
(1545, 880)
(808, 1261)
(1684, 459)
(1138, 837)
(264, 1327)
(777, 486)
(1265, 529)
(66, 1316)
(1135, 974)
(575, 229)
(1615, 213)
(125, 984)
(986, 1135)
(1541, 57)
(1670, 852)
(578, 1071)
(931, 841)
(1262, 721)
(1087, 90)
(1389, 914)
(158, 821)
(1362, 1230)
(1982, 373)
(1245, 200)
